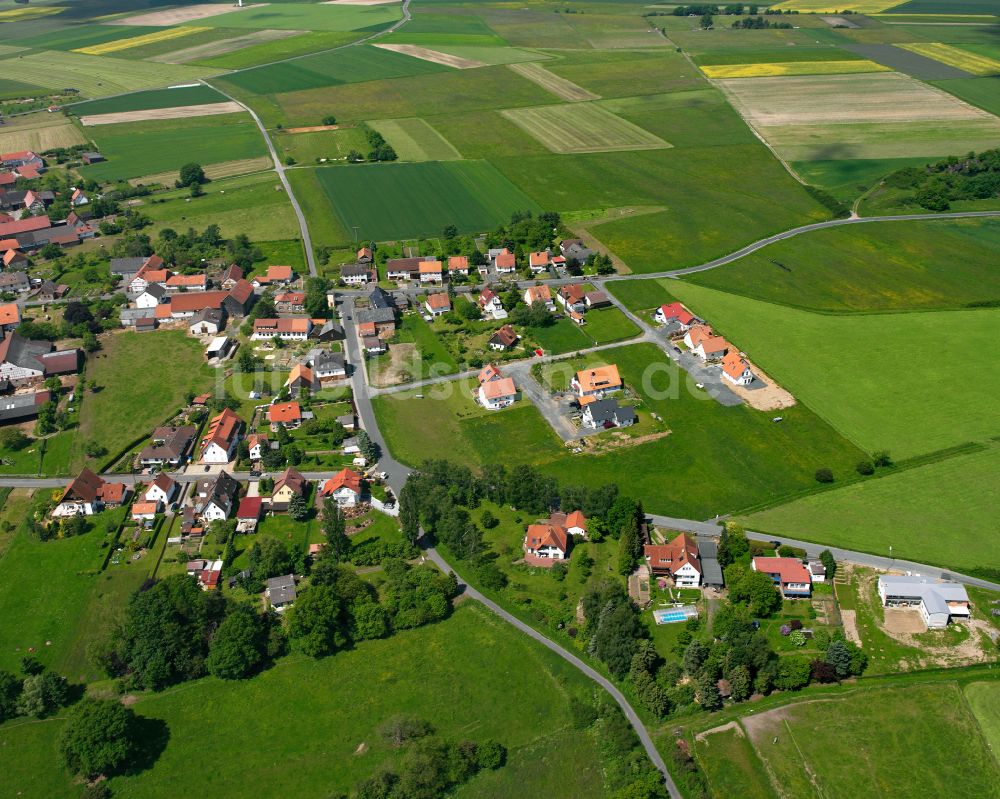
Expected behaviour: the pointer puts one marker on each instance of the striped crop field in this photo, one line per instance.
(139, 41)
(954, 57)
(836, 6)
(560, 87)
(582, 128)
(792, 68)
(28, 12)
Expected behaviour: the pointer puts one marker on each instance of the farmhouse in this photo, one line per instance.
(161, 490)
(13, 259)
(88, 494)
(21, 158)
(400, 269)
(437, 304)
(544, 544)
(491, 305)
(572, 297)
(607, 413)
(788, 574)
(296, 328)
(221, 437)
(215, 497)
(344, 487)
(675, 314)
(290, 302)
(679, 559)
(291, 484)
(148, 275)
(24, 360)
(151, 296)
(938, 601)
(736, 370)
(284, 414)
(187, 283)
(231, 276)
(503, 339)
(169, 447)
(358, 274)
(207, 322)
(541, 294)
(14, 281)
(383, 320)
(596, 382)
(128, 268)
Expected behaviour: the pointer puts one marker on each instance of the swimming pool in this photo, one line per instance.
(674, 615)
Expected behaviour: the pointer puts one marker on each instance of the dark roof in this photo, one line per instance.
(222, 490)
(20, 406)
(380, 298)
(24, 352)
(281, 590)
(355, 270)
(61, 362)
(325, 359)
(376, 315)
(608, 410)
(330, 330)
(155, 290)
(14, 279)
(215, 315)
(136, 313)
(124, 266)
(169, 443)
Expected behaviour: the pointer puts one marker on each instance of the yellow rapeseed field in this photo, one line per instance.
(954, 57)
(791, 68)
(139, 41)
(835, 7)
(26, 12)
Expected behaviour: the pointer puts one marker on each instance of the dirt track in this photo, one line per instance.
(312, 129)
(424, 54)
(177, 112)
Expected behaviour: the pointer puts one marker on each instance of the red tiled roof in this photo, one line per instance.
(345, 478)
(677, 311)
(197, 300)
(505, 260)
(789, 570)
(437, 301)
(458, 263)
(249, 508)
(24, 226)
(680, 552)
(282, 412)
(10, 313)
(540, 535)
(187, 281)
(221, 429)
(295, 324)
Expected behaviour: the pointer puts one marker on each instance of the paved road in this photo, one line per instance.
(600, 679)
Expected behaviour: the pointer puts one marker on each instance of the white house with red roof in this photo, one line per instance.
(491, 305)
(675, 314)
(221, 437)
(545, 544)
(789, 575)
(161, 490)
(538, 261)
(736, 370)
(679, 559)
(344, 487)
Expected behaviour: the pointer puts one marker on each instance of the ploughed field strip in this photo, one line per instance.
(178, 112)
(223, 46)
(722, 71)
(956, 57)
(582, 128)
(434, 56)
(560, 87)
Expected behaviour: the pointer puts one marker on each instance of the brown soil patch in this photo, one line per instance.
(357, 2)
(903, 620)
(848, 617)
(620, 441)
(732, 725)
(312, 129)
(425, 54)
(771, 398)
(177, 16)
(177, 112)
(401, 357)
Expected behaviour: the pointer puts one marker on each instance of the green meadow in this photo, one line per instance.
(155, 98)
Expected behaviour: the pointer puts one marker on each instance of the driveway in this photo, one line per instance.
(555, 413)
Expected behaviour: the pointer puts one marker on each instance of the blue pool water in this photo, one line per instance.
(674, 615)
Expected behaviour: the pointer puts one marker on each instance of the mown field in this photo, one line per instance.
(406, 200)
(39, 132)
(144, 101)
(352, 693)
(309, 17)
(684, 474)
(886, 381)
(582, 128)
(908, 511)
(414, 139)
(146, 148)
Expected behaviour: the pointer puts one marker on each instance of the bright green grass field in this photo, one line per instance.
(86, 36)
(388, 201)
(732, 766)
(911, 383)
(147, 148)
(582, 128)
(910, 511)
(685, 474)
(252, 203)
(308, 17)
(981, 92)
(891, 266)
(324, 228)
(414, 140)
(604, 326)
(431, 30)
(846, 179)
(131, 390)
(912, 741)
(339, 702)
(493, 55)
(265, 53)
(100, 76)
(330, 144)
(351, 65)
(984, 699)
(157, 98)
(564, 336)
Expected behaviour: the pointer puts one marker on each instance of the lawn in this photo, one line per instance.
(906, 510)
(642, 295)
(869, 376)
(350, 65)
(984, 700)
(389, 201)
(892, 266)
(434, 29)
(563, 336)
(130, 390)
(48, 456)
(606, 325)
(155, 98)
(731, 765)
(582, 128)
(684, 474)
(147, 148)
(921, 739)
(415, 140)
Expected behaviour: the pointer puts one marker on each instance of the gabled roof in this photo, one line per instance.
(294, 324)
(677, 311)
(458, 263)
(488, 373)
(222, 429)
(164, 482)
(505, 336)
(85, 487)
(241, 292)
(733, 365)
(345, 478)
(10, 313)
(699, 333)
(681, 551)
(788, 570)
(540, 258)
(186, 281)
(430, 267)
(249, 508)
(486, 296)
(546, 535)
(537, 294)
(505, 260)
(24, 226)
(283, 412)
(572, 293)
(598, 378)
(438, 301)
(192, 301)
(292, 479)
(233, 272)
(300, 373)
(504, 387)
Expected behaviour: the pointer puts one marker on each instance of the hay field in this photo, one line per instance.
(222, 46)
(582, 128)
(721, 71)
(28, 12)
(177, 112)
(197, 94)
(434, 56)
(972, 63)
(39, 132)
(139, 41)
(495, 55)
(99, 76)
(837, 6)
(560, 87)
(174, 16)
(415, 140)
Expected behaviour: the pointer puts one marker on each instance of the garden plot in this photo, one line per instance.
(178, 112)
(560, 87)
(434, 56)
(582, 128)
(223, 46)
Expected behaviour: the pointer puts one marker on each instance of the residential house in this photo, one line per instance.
(151, 270)
(284, 414)
(10, 317)
(939, 601)
(294, 328)
(78, 198)
(596, 299)
(788, 574)
(710, 348)
(15, 281)
(458, 265)
(383, 319)
(88, 494)
(373, 345)
(503, 339)
(50, 292)
(575, 250)
(290, 302)
(574, 523)
(438, 304)
(596, 382)
(208, 573)
(24, 360)
(495, 390)
(358, 274)
(538, 262)
(431, 272)
(301, 378)
(215, 497)
(232, 275)
(144, 511)
(257, 443)
(327, 365)
(207, 322)
(344, 487)
(736, 370)
(291, 484)
(151, 296)
(679, 559)
(275, 275)
(218, 445)
(248, 514)
(162, 490)
(328, 331)
(572, 297)
(503, 261)
(544, 544)
(365, 255)
(170, 446)
(400, 269)
(187, 283)
(607, 413)
(280, 592)
(15, 259)
(21, 158)
(677, 315)
(491, 305)
(541, 294)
